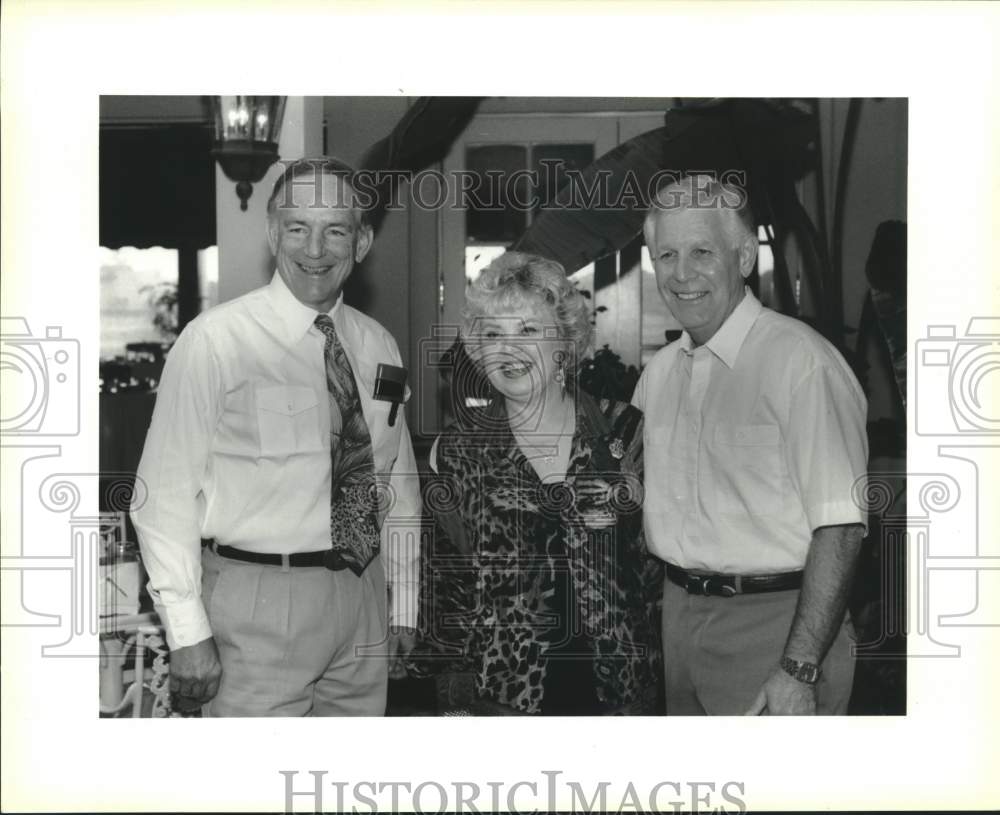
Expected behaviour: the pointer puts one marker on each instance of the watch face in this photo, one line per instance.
(802, 671)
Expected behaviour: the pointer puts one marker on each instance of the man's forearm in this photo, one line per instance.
(826, 585)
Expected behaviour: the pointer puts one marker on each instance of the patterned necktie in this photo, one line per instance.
(353, 527)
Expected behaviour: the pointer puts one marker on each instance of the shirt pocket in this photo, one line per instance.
(287, 420)
(750, 467)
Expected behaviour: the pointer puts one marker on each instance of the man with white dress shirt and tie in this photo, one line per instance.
(281, 496)
(754, 447)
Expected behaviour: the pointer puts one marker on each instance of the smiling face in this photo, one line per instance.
(317, 240)
(519, 349)
(701, 259)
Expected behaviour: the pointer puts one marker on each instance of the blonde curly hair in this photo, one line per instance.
(515, 277)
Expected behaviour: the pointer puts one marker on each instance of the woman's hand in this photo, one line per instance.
(593, 494)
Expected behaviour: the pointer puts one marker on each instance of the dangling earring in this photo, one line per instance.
(560, 374)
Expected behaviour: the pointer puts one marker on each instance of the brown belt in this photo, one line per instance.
(728, 585)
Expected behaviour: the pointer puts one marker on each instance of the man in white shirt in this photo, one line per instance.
(754, 446)
(262, 617)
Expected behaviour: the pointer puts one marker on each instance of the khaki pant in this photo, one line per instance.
(298, 642)
(718, 651)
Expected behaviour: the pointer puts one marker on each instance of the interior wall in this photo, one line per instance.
(876, 184)
(876, 191)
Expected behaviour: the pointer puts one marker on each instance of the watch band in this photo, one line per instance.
(807, 672)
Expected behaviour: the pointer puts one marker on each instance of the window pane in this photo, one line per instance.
(479, 256)
(138, 297)
(493, 214)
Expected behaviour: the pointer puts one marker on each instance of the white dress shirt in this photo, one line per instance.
(239, 450)
(752, 441)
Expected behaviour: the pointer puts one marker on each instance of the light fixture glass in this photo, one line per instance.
(247, 129)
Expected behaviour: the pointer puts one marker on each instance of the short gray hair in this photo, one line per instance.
(685, 191)
(515, 276)
(318, 167)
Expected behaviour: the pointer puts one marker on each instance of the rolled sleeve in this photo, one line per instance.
(165, 508)
(828, 448)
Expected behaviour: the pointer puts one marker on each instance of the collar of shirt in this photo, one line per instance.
(728, 340)
(297, 318)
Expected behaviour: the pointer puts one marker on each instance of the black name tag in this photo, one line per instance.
(390, 386)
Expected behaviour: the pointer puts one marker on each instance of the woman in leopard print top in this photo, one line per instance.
(537, 584)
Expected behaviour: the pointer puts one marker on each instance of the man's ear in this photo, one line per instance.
(748, 254)
(272, 233)
(366, 237)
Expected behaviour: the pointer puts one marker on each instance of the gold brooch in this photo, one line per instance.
(616, 448)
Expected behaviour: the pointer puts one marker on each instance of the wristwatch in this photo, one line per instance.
(807, 672)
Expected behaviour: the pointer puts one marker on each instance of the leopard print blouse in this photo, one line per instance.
(502, 539)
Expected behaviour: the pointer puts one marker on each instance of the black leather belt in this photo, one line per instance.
(328, 558)
(728, 585)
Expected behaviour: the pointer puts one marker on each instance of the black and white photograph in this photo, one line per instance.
(537, 543)
(630, 407)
